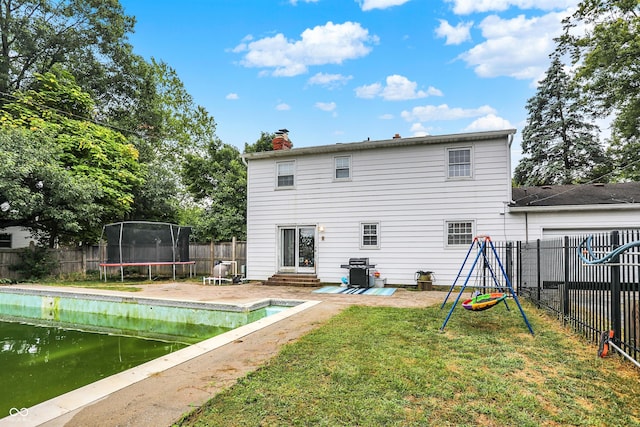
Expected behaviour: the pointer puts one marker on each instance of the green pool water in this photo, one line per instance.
(40, 362)
(52, 343)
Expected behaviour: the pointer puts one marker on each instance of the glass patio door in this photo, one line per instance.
(297, 249)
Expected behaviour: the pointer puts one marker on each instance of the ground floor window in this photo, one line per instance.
(459, 233)
(370, 235)
(5, 240)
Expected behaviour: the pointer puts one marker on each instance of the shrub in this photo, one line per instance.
(35, 262)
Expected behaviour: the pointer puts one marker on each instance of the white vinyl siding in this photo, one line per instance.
(370, 235)
(342, 167)
(459, 164)
(285, 174)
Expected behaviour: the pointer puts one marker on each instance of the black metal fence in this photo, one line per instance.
(591, 298)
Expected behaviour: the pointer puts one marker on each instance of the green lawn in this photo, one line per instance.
(393, 367)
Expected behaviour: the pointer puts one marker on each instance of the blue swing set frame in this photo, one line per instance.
(481, 243)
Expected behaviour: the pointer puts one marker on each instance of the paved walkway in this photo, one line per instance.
(163, 397)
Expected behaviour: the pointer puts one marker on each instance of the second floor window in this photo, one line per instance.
(285, 174)
(343, 167)
(459, 163)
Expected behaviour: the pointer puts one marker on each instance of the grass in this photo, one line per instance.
(393, 367)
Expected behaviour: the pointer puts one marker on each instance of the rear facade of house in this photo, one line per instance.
(405, 204)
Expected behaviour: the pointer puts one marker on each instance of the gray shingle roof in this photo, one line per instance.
(585, 194)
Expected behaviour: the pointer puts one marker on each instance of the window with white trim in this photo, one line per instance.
(369, 235)
(285, 174)
(459, 233)
(459, 163)
(342, 168)
(5, 240)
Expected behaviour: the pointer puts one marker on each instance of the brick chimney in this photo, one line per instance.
(281, 140)
(396, 136)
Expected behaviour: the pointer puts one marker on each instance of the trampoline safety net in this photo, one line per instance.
(146, 242)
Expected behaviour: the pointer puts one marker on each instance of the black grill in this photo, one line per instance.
(358, 272)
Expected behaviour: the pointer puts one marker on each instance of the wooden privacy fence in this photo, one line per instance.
(86, 259)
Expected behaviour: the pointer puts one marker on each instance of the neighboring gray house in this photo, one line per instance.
(14, 237)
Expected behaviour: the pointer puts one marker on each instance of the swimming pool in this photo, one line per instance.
(56, 308)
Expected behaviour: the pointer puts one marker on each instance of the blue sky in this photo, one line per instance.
(347, 70)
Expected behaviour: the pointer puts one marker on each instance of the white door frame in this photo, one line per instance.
(297, 249)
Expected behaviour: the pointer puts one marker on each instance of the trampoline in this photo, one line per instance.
(145, 244)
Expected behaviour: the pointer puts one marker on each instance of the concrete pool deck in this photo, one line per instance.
(161, 397)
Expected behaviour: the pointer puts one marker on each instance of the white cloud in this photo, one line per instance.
(454, 35)
(465, 7)
(367, 5)
(295, 2)
(326, 106)
(427, 113)
(489, 122)
(386, 117)
(232, 96)
(517, 47)
(324, 44)
(418, 129)
(283, 107)
(329, 80)
(397, 88)
(368, 91)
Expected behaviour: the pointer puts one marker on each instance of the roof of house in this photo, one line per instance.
(384, 143)
(626, 193)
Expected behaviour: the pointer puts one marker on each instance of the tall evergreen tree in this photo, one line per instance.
(606, 52)
(558, 144)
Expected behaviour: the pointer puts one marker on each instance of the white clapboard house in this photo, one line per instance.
(405, 204)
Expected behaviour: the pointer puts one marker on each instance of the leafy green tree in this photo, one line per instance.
(86, 36)
(41, 194)
(262, 144)
(606, 55)
(218, 183)
(144, 100)
(170, 127)
(92, 153)
(559, 145)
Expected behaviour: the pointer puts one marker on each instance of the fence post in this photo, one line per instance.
(509, 261)
(538, 273)
(566, 307)
(616, 289)
(234, 242)
(84, 249)
(212, 257)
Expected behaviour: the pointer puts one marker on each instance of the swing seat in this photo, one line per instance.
(484, 301)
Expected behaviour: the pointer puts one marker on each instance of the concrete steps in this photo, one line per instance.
(300, 280)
